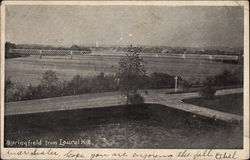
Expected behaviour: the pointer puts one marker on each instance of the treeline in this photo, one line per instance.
(51, 86)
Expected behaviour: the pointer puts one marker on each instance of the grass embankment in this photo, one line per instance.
(148, 126)
(232, 103)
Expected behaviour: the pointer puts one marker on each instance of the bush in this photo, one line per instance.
(99, 83)
(8, 89)
(161, 80)
(208, 91)
(103, 83)
(227, 78)
(79, 85)
(186, 86)
(136, 99)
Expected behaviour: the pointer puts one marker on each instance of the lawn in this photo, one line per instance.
(232, 103)
(29, 70)
(148, 126)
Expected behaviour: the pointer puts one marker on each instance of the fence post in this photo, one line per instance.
(176, 84)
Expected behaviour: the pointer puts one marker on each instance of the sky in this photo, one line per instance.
(123, 25)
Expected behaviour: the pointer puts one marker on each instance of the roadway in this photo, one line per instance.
(96, 100)
(175, 101)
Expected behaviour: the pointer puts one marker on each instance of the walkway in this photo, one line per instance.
(96, 100)
(175, 101)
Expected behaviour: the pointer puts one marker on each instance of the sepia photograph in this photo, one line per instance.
(124, 76)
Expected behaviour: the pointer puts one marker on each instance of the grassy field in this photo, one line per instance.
(232, 103)
(148, 126)
(29, 70)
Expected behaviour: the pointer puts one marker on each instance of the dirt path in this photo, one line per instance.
(96, 100)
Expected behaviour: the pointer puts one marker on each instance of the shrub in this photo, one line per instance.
(79, 85)
(51, 86)
(208, 91)
(103, 83)
(136, 99)
(186, 86)
(19, 92)
(228, 78)
(99, 83)
(8, 89)
(161, 80)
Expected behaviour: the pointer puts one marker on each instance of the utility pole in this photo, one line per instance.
(176, 85)
(184, 56)
(117, 81)
(210, 58)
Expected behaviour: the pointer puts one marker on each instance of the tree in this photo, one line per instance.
(49, 79)
(9, 46)
(75, 47)
(50, 84)
(131, 72)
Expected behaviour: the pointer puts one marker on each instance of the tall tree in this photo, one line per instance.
(131, 72)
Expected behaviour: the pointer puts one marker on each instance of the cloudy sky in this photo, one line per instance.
(123, 25)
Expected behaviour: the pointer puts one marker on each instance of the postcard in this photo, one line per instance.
(125, 80)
